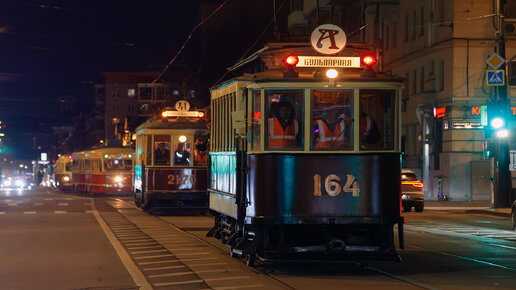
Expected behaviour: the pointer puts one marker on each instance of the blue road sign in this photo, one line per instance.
(495, 77)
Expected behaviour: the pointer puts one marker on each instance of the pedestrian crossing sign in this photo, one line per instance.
(495, 77)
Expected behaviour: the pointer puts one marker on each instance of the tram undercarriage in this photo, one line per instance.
(273, 240)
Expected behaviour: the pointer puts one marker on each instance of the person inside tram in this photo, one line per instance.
(333, 130)
(283, 128)
(200, 152)
(162, 155)
(181, 154)
(370, 134)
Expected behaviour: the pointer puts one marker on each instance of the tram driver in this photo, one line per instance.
(162, 155)
(283, 128)
(333, 131)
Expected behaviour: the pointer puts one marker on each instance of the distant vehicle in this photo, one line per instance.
(63, 172)
(14, 182)
(513, 215)
(103, 171)
(412, 194)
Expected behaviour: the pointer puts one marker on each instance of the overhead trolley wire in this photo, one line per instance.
(188, 40)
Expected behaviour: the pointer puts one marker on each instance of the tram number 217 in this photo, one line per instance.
(332, 185)
(181, 179)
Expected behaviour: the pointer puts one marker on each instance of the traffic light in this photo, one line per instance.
(497, 118)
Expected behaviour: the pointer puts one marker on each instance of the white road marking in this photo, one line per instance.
(164, 268)
(148, 251)
(131, 235)
(2, 212)
(198, 259)
(158, 262)
(8, 200)
(238, 287)
(209, 264)
(12, 204)
(48, 199)
(227, 278)
(68, 198)
(144, 247)
(177, 283)
(87, 203)
(136, 274)
(38, 203)
(27, 199)
(140, 243)
(60, 212)
(171, 274)
(30, 212)
(151, 257)
(188, 249)
(62, 203)
(193, 253)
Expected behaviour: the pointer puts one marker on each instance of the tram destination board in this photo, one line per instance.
(324, 61)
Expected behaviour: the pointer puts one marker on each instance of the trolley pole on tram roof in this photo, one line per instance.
(502, 193)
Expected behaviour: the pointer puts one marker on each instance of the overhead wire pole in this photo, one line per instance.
(502, 196)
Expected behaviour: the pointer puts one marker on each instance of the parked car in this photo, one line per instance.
(513, 215)
(412, 194)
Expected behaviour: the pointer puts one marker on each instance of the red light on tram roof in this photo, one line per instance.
(69, 156)
(368, 59)
(291, 60)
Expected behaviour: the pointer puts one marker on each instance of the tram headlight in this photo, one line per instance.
(504, 133)
(497, 123)
(164, 114)
(182, 139)
(66, 179)
(332, 73)
(118, 179)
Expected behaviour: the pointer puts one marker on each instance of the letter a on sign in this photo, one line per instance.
(328, 39)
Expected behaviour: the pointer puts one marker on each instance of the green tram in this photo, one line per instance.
(305, 159)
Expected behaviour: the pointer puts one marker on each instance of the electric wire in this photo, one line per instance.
(188, 40)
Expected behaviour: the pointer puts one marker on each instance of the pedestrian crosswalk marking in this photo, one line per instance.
(60, 212)
(62, 204)
(29, 212)
(12, 204)
(38, 203)
(2, 212)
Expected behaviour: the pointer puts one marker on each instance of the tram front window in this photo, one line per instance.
(377, 119)
(182, 153)
(332, 116)
(118, 164)
(285, 119)
(68, 166)
(161, 150)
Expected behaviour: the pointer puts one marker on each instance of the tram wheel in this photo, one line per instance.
(250, 260)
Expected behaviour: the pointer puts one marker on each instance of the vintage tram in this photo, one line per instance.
(103, 171)
(171, 158)
(305, 160)
(63, 172)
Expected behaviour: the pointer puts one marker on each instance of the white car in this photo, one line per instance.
(412, 194)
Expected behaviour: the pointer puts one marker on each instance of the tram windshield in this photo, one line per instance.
(68, 166)
(182, 153)
(162, 150)
(332, 117)
(285, 119)
(118, 164)
(377, 119)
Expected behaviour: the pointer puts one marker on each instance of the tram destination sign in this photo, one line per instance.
(328, 61)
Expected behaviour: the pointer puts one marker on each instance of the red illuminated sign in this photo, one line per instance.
(475, 110)
(439, 112)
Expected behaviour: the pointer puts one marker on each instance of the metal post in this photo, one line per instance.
(503, 188)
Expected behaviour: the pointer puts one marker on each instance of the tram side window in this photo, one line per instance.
(332, 117)
(181, 153)
(149, 150)
(285, 119)
(255, 122)
(377, 119)
(161, 149)
(201, 150)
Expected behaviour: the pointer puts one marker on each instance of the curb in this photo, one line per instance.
(495, 213)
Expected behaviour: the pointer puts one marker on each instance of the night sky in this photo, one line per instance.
(57, 48)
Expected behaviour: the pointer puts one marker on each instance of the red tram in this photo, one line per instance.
(103, 171)
(171, 158)
(305, 160)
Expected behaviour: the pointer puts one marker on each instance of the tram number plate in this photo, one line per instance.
(333, 187)
(181, 179)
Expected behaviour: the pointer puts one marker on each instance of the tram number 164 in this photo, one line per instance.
(333, 187)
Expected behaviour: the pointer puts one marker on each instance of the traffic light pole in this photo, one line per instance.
(503, 186)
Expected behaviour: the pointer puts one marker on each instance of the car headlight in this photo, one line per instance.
(7, 183)
(118, 179)
(19, 183)
(66, 178)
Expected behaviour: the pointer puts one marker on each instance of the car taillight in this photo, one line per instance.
(418, 184)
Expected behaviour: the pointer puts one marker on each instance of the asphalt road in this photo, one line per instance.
(51, 240)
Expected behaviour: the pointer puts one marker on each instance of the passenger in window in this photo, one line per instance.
(162, 155)
(181, 154)
(283, 129)
(201, 152)
(333, 131)
(370, 132)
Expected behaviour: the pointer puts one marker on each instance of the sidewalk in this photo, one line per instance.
(476, 207)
